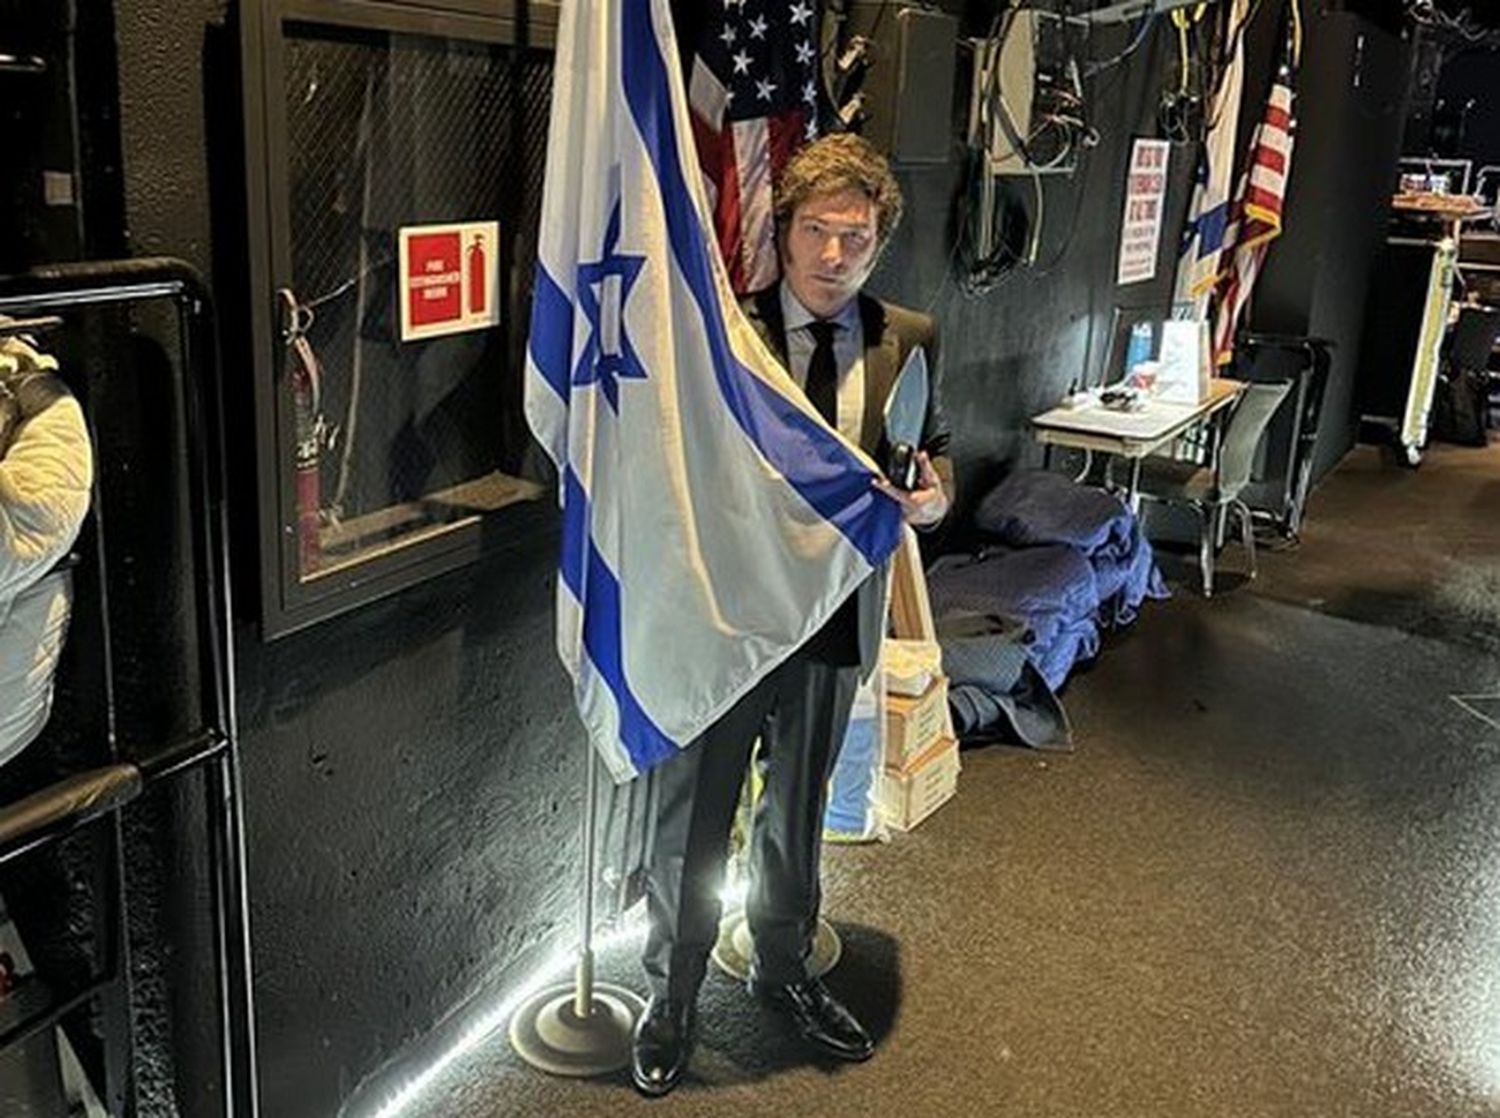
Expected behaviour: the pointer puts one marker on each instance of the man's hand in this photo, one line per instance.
(925, 505)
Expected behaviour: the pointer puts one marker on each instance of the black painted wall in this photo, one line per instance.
(412, 769)
(1353, 92)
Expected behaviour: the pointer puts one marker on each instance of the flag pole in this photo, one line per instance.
(735, 946)
(583, 1029)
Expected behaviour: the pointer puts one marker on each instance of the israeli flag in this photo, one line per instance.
(712, 521)
(1199, 260)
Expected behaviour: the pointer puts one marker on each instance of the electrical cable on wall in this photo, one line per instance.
(1146, 24)
(1204, 55)
(1179, 116)
(851, 64)
(987, 249)
(998, 234)
(1460, 27)
(361, 297)
(1054, 139)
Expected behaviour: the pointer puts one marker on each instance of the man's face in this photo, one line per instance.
(828, 250)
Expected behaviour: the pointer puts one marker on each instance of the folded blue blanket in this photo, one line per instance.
(1072, 642)
(1127, 581)
(996, 692)
(1066, 560)
(1033, 507)
(1025, 584)
(1052, 590)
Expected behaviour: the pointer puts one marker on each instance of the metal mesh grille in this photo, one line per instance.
(386, 131)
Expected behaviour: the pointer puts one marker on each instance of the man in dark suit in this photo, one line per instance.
(836, 205)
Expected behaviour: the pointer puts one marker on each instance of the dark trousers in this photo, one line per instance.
(800, 712)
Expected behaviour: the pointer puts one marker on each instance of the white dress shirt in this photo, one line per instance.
(848, 356)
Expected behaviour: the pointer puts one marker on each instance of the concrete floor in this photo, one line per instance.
(1267, 882)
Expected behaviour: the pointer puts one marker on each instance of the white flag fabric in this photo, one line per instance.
(711, 520)
(1198, 264)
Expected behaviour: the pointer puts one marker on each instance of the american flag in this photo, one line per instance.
(1255, 217)
(755, 92)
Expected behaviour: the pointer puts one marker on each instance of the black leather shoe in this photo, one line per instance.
(659, 1049)
(819, 1016)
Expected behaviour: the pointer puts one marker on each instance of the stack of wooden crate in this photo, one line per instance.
(921, 767)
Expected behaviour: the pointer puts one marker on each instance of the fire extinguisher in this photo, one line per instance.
(478, 277)
(305, 378)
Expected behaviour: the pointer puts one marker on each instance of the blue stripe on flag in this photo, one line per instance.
(1211, 227)
(574, 533)
(551, 332)
(590, 580)
(643, 740)
(813, 462)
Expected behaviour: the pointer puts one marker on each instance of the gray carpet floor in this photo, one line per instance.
(1266, 883)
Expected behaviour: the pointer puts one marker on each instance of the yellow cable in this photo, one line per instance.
(1184, 22)
(1182, 58)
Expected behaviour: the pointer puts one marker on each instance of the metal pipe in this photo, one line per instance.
(198, 747)
(57, 287)
(29, 325)
(29, 1027)
(211, 547)
(65, 807)
(22, 64)
(583, 993)
(68, 805)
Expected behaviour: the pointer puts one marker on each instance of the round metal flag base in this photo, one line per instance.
(736, 947)
(547, 1032)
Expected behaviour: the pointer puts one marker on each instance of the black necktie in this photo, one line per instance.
(822, 373)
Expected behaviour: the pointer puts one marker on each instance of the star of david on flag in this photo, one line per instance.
(711, 520)
(608, 356)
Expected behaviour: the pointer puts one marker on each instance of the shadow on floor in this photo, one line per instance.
(741, 1041)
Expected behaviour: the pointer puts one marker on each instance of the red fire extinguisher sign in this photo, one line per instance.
(448, 278)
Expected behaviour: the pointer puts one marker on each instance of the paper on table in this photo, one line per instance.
(1180, 378)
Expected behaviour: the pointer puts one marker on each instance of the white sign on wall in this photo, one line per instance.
(449, 275)
(1145, 194)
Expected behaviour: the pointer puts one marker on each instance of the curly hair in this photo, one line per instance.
(841, 161)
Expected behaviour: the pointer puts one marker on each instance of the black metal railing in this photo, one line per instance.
(49, 297)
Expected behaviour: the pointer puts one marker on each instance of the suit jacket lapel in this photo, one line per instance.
(764, 312)
(882, 362)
